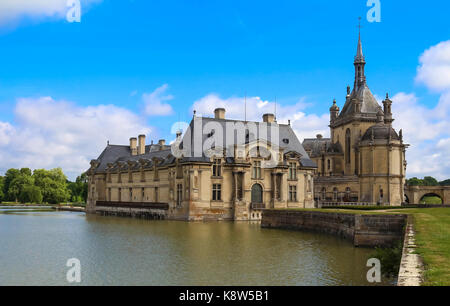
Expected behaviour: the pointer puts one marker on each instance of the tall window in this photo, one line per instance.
(156, 194)
(292, 171)
(130, 177)
(217, 192)
(143, 194)
(120, 195)
(179, 170)
(109, 194)
(155, 174)
(329, 165)
(239, 187)
(324, 193)
(179, 194)
(256, 170)
(131, 194)
(292, 193)
(348, 192)
(217, 167)
(348, 146)
(335, 194)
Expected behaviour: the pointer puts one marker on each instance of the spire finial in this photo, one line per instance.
(359, 53)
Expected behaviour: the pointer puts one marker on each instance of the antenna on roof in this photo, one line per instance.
(275, 108)
(245, 106)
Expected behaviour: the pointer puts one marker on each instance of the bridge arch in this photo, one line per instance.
(431, 194)
(415, 194)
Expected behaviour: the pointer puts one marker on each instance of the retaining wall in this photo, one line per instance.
(362, 230)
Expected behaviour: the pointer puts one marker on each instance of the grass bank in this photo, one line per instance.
(432, 227)
(42, 204)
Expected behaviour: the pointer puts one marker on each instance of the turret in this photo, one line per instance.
(387, 104)
(334, 111)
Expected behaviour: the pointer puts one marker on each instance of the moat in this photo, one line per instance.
(36, 244)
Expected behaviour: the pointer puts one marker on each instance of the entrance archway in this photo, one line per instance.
(257, 194)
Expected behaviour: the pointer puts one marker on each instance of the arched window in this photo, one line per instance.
(348, 146)
(257, 194)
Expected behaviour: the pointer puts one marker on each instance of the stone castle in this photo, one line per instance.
(362, 162)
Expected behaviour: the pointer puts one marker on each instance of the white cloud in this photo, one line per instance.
(304, 125)
(154, 102)
(50, 133)
(12, 11)
(427, 131)
(434, 69)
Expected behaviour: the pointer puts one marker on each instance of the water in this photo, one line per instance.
(36, 244)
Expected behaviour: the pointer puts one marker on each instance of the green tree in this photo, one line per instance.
(445, 183)
(78, 189)
(31, 194)
(2, 183)
(430, 181)
(10, 175)
(53, 184)
(17, 185)
(414, 182)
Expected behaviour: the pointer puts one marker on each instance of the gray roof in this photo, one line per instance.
(318, 146)
(369, 104)
(287, 139)
(121, 154)
(380, 131)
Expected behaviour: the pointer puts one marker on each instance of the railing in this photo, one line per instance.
(333, 204)
(154, 205)
(258, 206)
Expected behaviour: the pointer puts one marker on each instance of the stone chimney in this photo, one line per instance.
(141, 149)
(161, 143)
(133, 146)
(269, 118)
(219, 113)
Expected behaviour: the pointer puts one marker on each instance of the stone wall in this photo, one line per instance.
(362, 230)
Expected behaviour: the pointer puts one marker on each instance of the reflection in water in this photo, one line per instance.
(122, 251)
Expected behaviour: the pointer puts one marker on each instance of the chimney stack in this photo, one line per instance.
(141, 149)
(269, 118)
(219, 113)
(133, 146)
(161, 143)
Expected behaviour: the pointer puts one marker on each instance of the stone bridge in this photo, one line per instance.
(414, 194)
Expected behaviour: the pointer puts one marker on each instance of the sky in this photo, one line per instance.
(140, 66)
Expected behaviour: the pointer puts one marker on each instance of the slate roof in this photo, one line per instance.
(287, 139)
(121, 154)
(318, 146)
(369, 104)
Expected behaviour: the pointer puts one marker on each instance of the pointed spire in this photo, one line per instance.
(359, 52)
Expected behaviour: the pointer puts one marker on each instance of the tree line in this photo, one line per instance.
(427, 181)
(41, 186)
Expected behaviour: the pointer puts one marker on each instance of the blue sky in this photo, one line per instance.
(300, 52)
